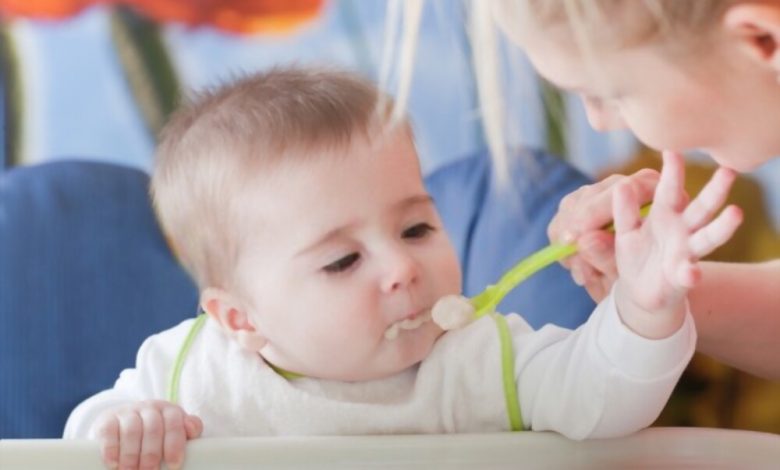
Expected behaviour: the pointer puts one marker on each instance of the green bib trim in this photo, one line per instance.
(285, 373)
(173, 384)
(507, 368)
(181, 357)
(508, 373)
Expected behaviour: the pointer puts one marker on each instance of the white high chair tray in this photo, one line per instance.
(652, 448)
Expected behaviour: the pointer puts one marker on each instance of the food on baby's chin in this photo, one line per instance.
(450, 312)
(453, 311)
(407, 324)
(392, 332)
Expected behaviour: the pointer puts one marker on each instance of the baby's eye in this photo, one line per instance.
(418, 231)
(342, 264)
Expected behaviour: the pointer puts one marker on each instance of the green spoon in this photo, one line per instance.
(487, 300)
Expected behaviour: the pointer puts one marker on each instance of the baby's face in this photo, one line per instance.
(344, 248)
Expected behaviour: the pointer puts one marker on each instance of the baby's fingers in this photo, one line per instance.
(709, 200)
(705, 240)
(130, 435)
(670, 192)
(175, 436)
(193, 426)
(108, 436)
(151, 443)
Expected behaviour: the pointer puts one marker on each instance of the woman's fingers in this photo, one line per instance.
(705, 240)
(707, 203)
(584, 213)
(590, 207)
(625, 209)
(598, 249)
(557, 229)
(643, 183)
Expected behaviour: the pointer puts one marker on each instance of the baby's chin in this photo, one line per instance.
(407, 350)
(417, 346)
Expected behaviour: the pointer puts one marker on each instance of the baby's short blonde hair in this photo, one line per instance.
(223, 138)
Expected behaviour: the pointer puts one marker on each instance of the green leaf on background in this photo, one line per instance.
(147, 66)
(12, 101)
(555, 119)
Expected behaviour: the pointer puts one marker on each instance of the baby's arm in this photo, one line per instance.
(135, 427)
(600, 380)
(613, 375)
(657, 258)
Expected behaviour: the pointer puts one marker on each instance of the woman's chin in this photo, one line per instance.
(742, 163)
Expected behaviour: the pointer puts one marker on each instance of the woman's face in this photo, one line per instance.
(718, 99)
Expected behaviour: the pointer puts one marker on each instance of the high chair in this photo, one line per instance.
(86, 275)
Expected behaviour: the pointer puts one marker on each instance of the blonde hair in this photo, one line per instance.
(221, 140)
(617, 23)
(591, 25)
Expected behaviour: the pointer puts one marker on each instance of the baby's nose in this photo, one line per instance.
(401, 271)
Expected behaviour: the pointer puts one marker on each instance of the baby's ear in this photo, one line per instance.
(757, 26)
(227, 310)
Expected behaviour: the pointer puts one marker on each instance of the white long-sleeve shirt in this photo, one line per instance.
(600, 380)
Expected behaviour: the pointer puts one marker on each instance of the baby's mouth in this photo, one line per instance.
(407, 324)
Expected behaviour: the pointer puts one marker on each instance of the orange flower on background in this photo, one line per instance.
(236, 16)
(44, 9)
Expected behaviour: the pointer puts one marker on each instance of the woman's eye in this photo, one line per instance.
(342, 264)
(418, 231)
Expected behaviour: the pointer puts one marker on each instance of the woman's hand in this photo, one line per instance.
(581, 217)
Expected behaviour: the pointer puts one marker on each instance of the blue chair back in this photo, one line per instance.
(85, 276)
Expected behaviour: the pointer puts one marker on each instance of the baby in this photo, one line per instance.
(300, 212)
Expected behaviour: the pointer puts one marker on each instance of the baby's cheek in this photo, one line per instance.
(451, 278)
(342, 335)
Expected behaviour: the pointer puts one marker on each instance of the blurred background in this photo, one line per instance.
(96, 80)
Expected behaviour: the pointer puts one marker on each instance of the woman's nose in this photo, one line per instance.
(400, 271)
(604, 117)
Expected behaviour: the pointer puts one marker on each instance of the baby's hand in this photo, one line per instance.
(145, 434)
(657, 259)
